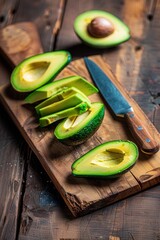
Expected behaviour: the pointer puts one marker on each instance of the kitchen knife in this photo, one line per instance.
(120, 106)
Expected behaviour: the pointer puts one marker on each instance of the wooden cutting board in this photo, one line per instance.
(84, 195)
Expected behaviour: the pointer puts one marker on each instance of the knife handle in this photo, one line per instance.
(141, 134)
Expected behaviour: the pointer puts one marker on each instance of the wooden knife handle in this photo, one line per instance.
(141, 134)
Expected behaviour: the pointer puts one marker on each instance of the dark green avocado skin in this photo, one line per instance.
(86, 132)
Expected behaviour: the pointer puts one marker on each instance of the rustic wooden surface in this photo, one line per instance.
(31, 208)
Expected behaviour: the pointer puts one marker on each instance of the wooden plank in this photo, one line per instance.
(15, 47)
(15, 166)
(81, 195)
(19, 41)
(46, 15)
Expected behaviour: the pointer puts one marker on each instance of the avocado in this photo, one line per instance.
(109, 159)
(77, 129)
(73, 111)
(59, 96)
(49, 89)
(39, 69)
(63, 104)
(100, 29)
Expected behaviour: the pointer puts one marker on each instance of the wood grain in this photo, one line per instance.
(19, 41)
(136, 64)
(82, 195)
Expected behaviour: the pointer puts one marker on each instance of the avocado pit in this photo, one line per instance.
(100, 27)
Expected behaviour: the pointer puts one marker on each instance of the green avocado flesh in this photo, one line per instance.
(39, 69)
(68, 102)
(73, 111)
(77, 129)
(49, 89)
(120, 34)
(61, 99)
(110, 159)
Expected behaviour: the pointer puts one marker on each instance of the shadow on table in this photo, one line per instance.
(81, 50)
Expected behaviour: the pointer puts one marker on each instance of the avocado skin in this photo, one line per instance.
(129, 162)
(85, 132)
(120, 35)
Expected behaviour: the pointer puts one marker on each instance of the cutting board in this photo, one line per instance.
(84, 195)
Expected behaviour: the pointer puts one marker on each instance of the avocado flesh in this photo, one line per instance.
(120, 34)
(74, 111)
(76, 130)
(37, 70)
(49, 89)
(59, 96)
(110, 159)
(68, 102)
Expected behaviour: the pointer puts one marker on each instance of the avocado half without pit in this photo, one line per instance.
(39, 69)
(100, 29)
(110, 159)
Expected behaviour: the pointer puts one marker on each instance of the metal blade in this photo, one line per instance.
(108, 90)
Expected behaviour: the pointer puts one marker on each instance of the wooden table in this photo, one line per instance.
(31, 208)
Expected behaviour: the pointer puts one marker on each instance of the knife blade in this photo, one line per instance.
(121, 106)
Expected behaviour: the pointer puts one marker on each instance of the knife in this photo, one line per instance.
(121, 106)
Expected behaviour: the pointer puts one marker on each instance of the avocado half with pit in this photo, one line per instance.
(39, 69)
(100, 29)
(110, 159)
(77, 129)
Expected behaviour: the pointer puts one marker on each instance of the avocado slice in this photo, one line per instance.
(117, 32)
(49, 89)
(73, 111)
(110, 159)
(59, 96)
(68, 102)
(77, 129)
(39, 69)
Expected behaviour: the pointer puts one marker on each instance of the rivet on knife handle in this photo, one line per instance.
(146, 142)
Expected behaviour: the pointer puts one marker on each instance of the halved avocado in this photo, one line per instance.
(77, 129)
(39, 69)
(110, 159)
(74, 111)
(63, 104)
(49, 89)
(59, 96)
(100, 29)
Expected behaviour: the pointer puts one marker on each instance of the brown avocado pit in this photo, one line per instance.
(100, 27)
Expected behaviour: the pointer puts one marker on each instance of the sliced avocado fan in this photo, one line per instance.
(73, 111)
(49, 89)
(39, 69)
(63, 104)
(63, 99)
